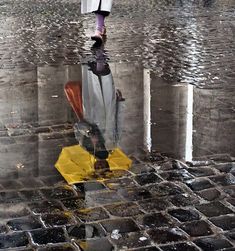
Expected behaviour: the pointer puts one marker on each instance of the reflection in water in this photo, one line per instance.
(97, 105)
(37, 120)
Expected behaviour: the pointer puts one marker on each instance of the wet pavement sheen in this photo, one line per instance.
(161, 89)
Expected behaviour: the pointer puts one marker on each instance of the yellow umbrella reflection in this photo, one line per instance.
(76, 164)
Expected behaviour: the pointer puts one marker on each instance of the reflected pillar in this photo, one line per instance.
(169, 118)
(52, 113)
(18, 113)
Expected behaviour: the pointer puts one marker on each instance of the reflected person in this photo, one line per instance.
(97, 104)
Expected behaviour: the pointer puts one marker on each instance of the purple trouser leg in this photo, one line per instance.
(99, 22)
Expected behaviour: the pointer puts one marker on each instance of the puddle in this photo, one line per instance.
(165, 87)
(130, 108)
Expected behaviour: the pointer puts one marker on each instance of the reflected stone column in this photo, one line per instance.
(169, 117)
(18, 113)
(214, 122)
(147, 111)
(128, 78)
(52, 111)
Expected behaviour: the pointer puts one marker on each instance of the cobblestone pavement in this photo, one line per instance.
(159, 204)
(173, 61)
(198, 47)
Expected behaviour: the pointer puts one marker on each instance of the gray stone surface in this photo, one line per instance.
(173, 62)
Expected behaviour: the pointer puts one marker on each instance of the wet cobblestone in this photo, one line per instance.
(122, 218)
(45, 236)
(23, 224)
(84, 231)
(99, 245)
(213, 243)
(197, 228)
(132, 240)
(214, 209)
(13, 240)
(184, 215)
(162, 236)
(153, 221)
(158, 204)
(124, 209)
(181, 246)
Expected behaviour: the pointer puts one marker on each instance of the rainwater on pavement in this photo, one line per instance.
(161, 90)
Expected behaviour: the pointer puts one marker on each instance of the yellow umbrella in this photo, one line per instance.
(76, 164)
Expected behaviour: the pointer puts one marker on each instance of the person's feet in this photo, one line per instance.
(98, 38)
(103, 31)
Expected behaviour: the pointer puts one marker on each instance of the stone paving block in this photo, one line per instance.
(231, 201)
(9, 175)
(42, 207)
(211, 194)
(223, 180)
(10, 211)
(162, 236)
(147, 178)
(42, 129)
(46, 236)
(184, 215)
(3, 229)
(10, 197)
(52, 180)
(134, 194)
(26, 223)
(118, 174)
(84, 187)
(231, 235)
(74, 203)
(184, 246)
(11, 184)
(124, 209)
(183, 200)
(63, 247)
(212, 243)
(225, 222)
(199, 184)
(85, 231)
(155, 220)
(154, 204)
(214, 209)
(96, 245)
(131, 240)
(92, 214)
(13, 240)
(116, 184)
(145, 249)
(21, 249)
(197, 228)
(154, 157)
(165, 189)
(225, 168)
(31, 195)
(141, 168)
(57, 219)
(176, 175)
(103, 198)
(230, 190)
(123, 225)
(58, 193)
(168, 165)
(201, 171)
(31, 183)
